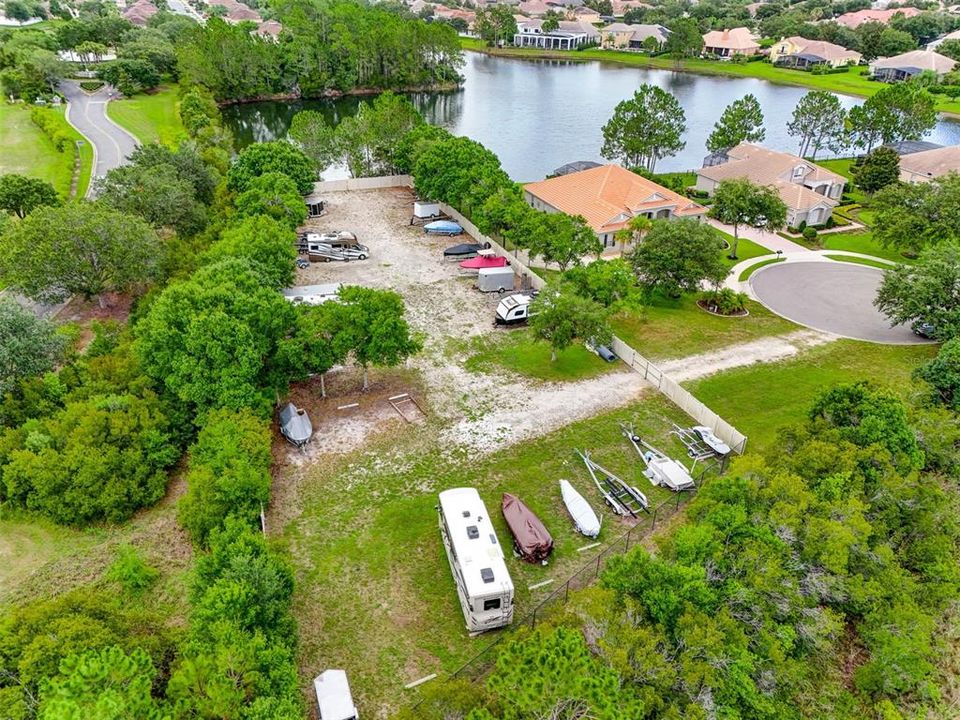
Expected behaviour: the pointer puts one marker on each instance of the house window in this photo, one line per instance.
(798, 171)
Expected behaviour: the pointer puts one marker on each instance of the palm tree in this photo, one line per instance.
(638, 226)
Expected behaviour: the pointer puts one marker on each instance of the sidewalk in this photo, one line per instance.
(771, 241)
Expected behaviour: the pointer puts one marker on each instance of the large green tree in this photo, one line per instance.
(560, 238)
(741, 202)
(157, 194)
(904, 111)
(878, 170)
(366, 140)
(645, 128)
(818, 121)
(925, 292)
(913, 216)
(370, 325)
(28, 345)
(943, 373)
(267, 243)
(560, 316)
(107, 684)
(278, 156)
(274, 195)
(21, 195)
(741, 121)
(209, 340)
(310, 130)
(678, 255)
(81, 248)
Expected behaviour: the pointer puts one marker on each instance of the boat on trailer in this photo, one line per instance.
(661, 469)
(443, 227)
(584, 518)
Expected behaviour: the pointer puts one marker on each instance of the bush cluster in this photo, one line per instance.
(51, 127)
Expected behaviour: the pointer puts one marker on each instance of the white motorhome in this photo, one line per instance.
(476, 560)
(334, 701)
(514, 309)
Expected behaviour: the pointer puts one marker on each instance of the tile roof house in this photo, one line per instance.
(801, 53)
(584, 14)
(237, 12)
(928, 165)
(620, 7)
(854, 20)
(269, 29)
(908, 64)
(809, 191)
(534, 8)
(727, 43)
(608, 196)
(633, 37)
(570, 34)
(140, 12)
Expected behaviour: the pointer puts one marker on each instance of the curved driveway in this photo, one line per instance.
(88, 114)
(833, 296)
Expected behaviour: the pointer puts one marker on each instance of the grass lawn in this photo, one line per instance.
(861, 242)
(762, 398)
(516, 350)
(745, 275)
(86, 150)
(40, 559)
(28, 151)
(670, 329)
(848, 83)
(746, 249)
(152, 117)
(860, 261)
(374, 593)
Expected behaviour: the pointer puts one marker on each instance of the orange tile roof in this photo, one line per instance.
(609, 195)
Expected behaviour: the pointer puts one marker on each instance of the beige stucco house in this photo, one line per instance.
(624, 36)
(801, 53)
(908, 64)
(608, 196)
(928, 165)
(809, 191)
(727, 43)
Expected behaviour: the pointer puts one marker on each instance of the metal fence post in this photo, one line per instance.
(653, 525)
(533, 619)
(566, 592)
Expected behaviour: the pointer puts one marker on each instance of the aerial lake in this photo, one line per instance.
(539, 114)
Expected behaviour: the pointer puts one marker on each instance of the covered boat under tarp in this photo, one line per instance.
(295, 424)
(530, 537)
(484, 259)
(464, 250)
(443, 227)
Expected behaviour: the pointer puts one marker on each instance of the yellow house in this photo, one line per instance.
(801, 53)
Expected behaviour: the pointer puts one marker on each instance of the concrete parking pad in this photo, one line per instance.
(831, 296)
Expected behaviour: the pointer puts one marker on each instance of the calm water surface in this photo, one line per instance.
(539, 114)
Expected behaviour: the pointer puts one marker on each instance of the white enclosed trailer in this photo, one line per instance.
(495, 279)
(476, 560)
(333, 696)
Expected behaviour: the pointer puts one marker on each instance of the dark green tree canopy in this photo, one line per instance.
(560, 316)
(645, 128)
(926, 292)
(20, 195)
(914, 216)
(878, 170)
(741, 202)
(278, 156)
(677, 255)
(741, 121)
(268, 244)
(28, 345)
(273, 195)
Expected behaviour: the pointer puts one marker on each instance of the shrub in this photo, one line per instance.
(50, 127)
(725, 301)
(809, 233)
(131, 571)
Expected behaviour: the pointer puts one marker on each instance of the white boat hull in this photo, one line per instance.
(584, 518)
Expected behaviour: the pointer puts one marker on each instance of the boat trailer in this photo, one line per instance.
(661, 469)
(696, 447)
(622, 498)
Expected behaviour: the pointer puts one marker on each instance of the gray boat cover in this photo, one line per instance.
(530, 537)
(295, 425)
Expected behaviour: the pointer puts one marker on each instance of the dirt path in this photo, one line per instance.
(765, 350)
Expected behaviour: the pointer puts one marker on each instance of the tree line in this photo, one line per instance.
(325, 48)
(89, 435)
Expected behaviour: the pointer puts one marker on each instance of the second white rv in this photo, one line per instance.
(476, 560)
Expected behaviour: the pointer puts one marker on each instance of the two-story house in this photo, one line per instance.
(608, 196)
(809, 191)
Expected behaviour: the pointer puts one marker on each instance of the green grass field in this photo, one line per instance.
(860, 261)
(862, 242)
(374, 593)
(670, 329)
(151, 117)
(762, 398)
(517, 351)
(746, 249)
(745, 275)
(848, 83)
(28, 151)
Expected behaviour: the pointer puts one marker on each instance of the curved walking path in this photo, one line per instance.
(87, 113)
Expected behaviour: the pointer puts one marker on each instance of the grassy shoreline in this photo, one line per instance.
(848, 83)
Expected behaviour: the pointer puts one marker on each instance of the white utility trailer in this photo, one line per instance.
(495, 279)
(514, 309)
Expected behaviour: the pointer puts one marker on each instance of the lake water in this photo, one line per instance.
(539, 114)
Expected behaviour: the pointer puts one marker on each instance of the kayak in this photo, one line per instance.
(584, 518)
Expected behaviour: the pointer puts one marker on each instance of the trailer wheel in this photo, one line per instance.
(361, 257)
(501, 290)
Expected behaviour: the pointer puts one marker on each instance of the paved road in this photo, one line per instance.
(833, 296)
(88, 114)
